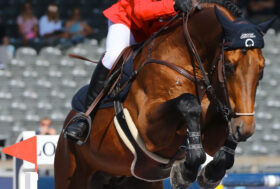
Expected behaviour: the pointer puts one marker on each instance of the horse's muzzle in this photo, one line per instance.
(242, 128)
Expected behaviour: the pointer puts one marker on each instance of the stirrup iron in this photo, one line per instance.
(79, 116)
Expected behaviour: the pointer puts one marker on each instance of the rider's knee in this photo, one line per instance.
(110, 57)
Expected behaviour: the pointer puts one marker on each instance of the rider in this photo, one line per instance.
(129, 21)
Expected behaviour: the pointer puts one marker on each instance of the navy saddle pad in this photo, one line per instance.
(78, 101)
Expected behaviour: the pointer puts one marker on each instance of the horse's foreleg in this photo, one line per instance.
(185, 173)
(212, 174)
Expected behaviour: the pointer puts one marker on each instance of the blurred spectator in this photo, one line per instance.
(45, 127)
(76, 28)
(50, 26)
(27, 23)
(6, 52)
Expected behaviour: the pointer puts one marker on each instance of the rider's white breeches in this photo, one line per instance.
(119, 37)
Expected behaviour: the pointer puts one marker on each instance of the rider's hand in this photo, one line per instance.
(182, 5)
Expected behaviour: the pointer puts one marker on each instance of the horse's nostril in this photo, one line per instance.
(238, 129)
(241, 136)
(238, 134)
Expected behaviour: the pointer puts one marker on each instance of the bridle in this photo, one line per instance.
(224, 108)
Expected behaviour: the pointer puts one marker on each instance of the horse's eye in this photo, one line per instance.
(229, 68)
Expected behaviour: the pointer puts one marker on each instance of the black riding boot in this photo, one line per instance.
(78, 130)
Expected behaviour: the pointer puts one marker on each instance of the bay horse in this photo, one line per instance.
(168, 111)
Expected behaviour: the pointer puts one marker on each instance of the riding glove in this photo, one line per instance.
(182, 5)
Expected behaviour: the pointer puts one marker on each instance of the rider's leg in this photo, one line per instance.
(119, 37)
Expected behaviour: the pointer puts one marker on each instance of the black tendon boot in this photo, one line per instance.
(79, 129)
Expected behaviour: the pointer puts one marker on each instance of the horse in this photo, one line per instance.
(169, 110)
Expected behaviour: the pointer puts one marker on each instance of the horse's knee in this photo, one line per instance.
(189, 106)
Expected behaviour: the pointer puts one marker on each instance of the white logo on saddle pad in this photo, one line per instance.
(247, 36)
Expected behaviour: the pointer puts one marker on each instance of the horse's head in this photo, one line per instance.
(243, 68)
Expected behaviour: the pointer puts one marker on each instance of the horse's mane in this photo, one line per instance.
(228, 4)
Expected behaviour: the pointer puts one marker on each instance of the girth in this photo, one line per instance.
(146, 165)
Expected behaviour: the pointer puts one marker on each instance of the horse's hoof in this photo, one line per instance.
(204, 182)
(176, 178)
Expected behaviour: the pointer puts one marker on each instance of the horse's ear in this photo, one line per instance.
(224, 21)
(266, 25)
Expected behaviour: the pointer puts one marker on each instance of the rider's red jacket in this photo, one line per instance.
(141, 16)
